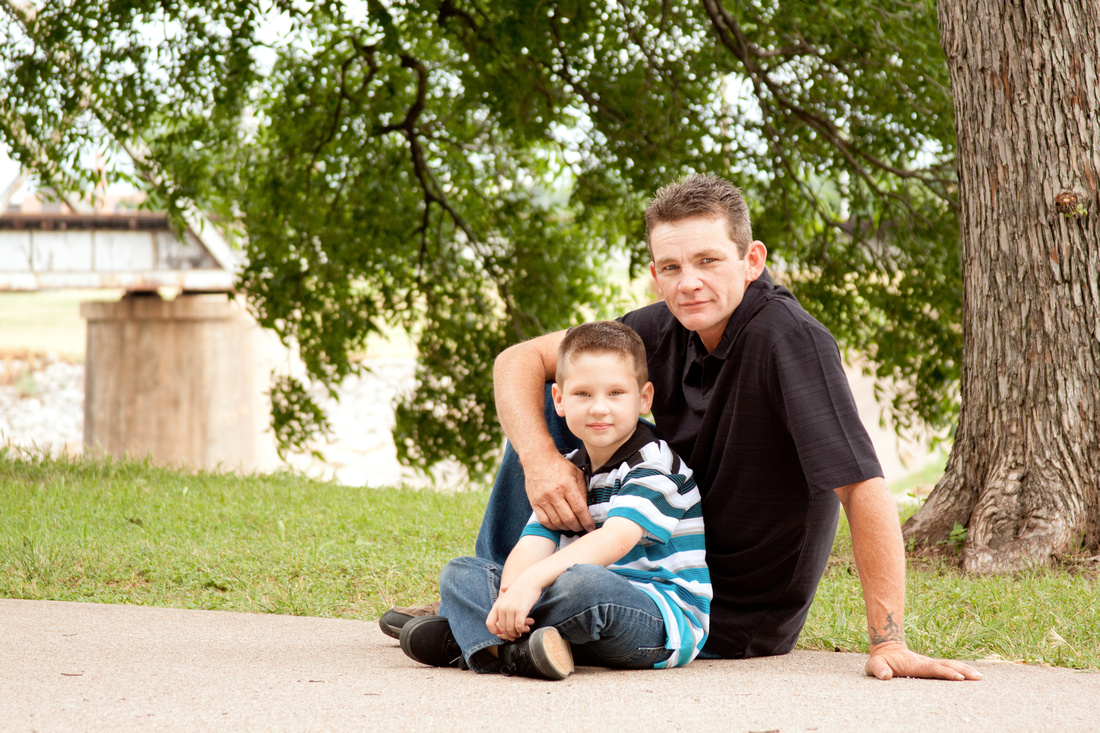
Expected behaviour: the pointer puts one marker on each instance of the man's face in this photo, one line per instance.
(700, 273)
(601, 400)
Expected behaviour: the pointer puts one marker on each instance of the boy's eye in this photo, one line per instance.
(615, 392)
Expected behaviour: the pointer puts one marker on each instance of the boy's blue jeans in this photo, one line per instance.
(607, 621)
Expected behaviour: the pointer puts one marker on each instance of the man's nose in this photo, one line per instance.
(689, 279)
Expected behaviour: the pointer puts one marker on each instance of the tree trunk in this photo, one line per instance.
(1024, 473)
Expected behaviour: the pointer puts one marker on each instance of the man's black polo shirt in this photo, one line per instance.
(768, 425)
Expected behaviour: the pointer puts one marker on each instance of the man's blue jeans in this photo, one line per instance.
(607, 620)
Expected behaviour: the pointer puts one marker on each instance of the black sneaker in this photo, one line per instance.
(543, 655)
(394, 619)
(428, 640)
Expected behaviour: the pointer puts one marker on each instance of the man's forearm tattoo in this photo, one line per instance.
(890, 632)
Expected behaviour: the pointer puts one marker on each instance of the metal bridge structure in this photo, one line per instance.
(57, 245)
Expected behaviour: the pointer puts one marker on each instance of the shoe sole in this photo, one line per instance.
(551, 653)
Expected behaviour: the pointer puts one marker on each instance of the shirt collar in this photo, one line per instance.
(643, 435)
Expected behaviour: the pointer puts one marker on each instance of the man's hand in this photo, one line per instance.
(880, 560)
(894, 659)
(508, 617)
(556, 490)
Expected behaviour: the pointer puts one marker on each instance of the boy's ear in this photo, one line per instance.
(647, 398)
(558, 406)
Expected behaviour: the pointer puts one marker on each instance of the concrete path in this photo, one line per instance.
(92, 667)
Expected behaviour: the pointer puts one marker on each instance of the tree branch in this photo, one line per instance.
(733, 38)
(433, 193)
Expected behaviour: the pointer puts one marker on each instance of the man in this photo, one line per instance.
(750, 390)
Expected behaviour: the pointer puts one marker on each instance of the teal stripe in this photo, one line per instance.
(681, 637)
(702, 603)
(661, 555)
(687, 645)
(699, 575)
(538, 530)
(695, 541)
(683, 484)
(602, 494)
(632, 574)
(654, 497)
(634, 515)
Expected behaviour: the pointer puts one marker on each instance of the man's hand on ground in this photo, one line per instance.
(894, 659)
(556, 490)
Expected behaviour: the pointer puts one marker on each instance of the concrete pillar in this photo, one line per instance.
(181, 381)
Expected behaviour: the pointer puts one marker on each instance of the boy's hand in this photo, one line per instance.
(508, 617)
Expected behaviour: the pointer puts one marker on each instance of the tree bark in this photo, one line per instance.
(1024, 473)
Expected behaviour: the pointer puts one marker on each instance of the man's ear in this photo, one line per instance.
(757, 258)
(647, 398)
(556, 393)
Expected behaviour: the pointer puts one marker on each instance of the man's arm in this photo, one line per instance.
(880, 560)
(508, 618)
(555, 487)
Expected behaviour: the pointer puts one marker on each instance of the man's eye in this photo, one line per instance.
(708, 260)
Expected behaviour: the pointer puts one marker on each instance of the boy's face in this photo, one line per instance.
(601, 401)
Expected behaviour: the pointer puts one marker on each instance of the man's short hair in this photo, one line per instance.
(701, 195)
(603, 337)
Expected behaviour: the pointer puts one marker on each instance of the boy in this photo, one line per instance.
(635, 592)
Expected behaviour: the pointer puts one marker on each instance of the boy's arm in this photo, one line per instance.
(529, 550)
(508, 619)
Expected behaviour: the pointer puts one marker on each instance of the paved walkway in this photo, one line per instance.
(91, 667)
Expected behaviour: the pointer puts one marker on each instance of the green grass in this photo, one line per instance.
(1042, 617)
(116, 531)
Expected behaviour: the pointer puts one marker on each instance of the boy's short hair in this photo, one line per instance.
(604, 337)
(700, 195)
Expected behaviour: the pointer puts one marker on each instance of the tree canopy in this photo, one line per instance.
(466, 169)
